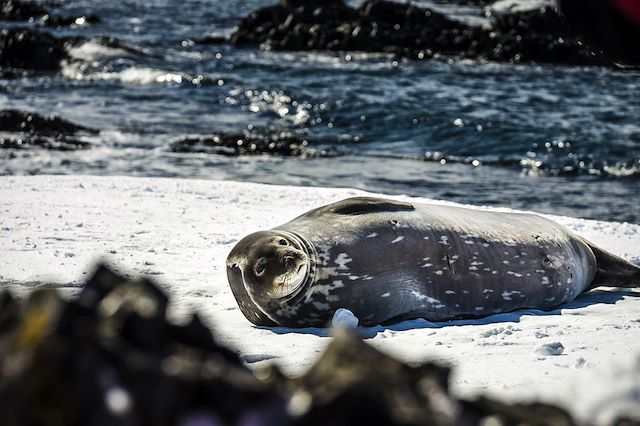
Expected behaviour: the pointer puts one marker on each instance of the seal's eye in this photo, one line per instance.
(283, 242)
(260, 267)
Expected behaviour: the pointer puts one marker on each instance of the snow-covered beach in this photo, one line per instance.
(53, 229)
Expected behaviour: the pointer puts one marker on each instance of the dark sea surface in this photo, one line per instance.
(563, 140)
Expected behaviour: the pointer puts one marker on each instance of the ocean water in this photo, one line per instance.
(555, 139)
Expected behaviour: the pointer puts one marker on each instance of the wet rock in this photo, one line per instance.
(26, 130)
(405, 30)
(26, 50)
(310, 3)
(16, 10)
(50, 143)
(537, 35)
(249, 143)
(8, 312)
(377, 26)
(12, 120)
(211, 40)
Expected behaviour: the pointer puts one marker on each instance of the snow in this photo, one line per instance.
(54, 228)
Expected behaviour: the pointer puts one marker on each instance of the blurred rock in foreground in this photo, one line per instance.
(111, 357)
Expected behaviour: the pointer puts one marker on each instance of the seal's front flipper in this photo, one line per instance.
(614, 271)
(364, 205)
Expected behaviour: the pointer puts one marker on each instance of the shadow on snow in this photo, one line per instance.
(593, 297)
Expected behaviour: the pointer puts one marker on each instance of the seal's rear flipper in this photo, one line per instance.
(614, 271)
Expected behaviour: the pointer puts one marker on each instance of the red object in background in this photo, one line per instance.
(630, 9)
(609, 26)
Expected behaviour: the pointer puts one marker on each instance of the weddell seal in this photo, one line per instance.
(389, 261)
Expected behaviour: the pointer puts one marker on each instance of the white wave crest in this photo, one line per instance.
(132, 75)
(510, 6)
(93, 50)
(281, 104)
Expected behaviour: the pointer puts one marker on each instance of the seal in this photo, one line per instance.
(388, 261)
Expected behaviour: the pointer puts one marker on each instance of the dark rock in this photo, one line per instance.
(45, 142)
(254, 29)
(208, 40)
(112, 358)
(249, 143)
(353, 383)
(537, 35)
(409, 31)
(34, 130)
(15, 10)
(25, 50)
(12, 120)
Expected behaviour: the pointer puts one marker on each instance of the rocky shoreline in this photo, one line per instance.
(24, 129)
(402, 30)
(381, 26)
(411, 32)
(250, 142)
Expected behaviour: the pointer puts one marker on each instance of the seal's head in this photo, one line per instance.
(267, 267)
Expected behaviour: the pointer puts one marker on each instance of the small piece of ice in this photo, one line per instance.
(549, 349)
(344, 318)
(580, 363)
